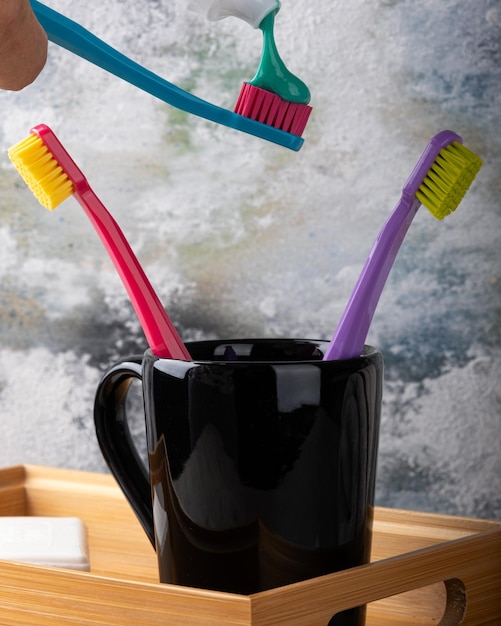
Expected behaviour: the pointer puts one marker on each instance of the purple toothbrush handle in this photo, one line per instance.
(351, 333)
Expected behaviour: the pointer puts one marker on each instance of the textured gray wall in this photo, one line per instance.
(241, 237)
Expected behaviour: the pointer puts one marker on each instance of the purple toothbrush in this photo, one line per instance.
(440, 179)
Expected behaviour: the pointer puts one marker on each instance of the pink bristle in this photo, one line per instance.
(251, 103)
(261, 113)
(259, 106)
(289, 117)
(269, 108)
(273, 111)
(300, 120)
(243, 100)
(282, 112)
(240, 98)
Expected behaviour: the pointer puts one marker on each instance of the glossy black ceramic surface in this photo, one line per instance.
(262, 460)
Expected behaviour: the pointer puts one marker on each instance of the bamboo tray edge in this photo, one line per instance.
(427, 569)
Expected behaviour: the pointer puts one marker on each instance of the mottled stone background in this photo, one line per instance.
(244, 238)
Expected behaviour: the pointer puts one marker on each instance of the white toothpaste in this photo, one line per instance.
(251, 11)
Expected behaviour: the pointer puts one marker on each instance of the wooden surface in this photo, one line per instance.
(425, 568)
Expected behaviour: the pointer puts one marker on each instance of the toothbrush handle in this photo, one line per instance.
(161, 335)
(349, 339)
(73, 37)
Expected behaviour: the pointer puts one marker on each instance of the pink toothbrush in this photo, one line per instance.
(440, 179)
(53, 176)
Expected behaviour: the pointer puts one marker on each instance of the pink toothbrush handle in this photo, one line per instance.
(351, 333)
(161, 335)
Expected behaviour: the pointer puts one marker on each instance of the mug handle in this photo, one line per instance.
(115, 441)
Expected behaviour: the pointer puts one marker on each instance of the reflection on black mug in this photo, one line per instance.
(262, 459)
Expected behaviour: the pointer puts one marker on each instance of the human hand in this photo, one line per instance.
(23, 45)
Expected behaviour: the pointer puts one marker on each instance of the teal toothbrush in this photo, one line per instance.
(73, 37)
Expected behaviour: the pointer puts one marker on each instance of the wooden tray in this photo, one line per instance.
(426, 569)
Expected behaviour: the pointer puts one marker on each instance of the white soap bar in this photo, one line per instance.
(48, 541)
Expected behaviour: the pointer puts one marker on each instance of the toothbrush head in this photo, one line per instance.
(46, 167)
(443, 175)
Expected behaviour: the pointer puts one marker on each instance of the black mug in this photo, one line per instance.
(262, 459)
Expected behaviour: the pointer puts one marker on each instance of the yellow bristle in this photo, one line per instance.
(41, 172)
(448, 180)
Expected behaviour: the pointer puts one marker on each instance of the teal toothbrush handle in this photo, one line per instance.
(75, 38)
